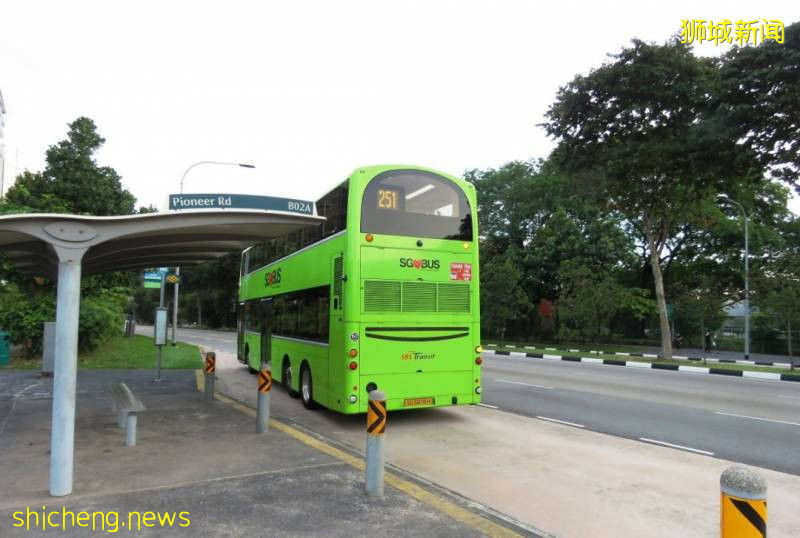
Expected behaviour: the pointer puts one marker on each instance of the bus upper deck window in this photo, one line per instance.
(417, 204)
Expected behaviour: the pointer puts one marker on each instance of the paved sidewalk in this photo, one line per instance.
(733, 355)
(199, 460)
(563, 480)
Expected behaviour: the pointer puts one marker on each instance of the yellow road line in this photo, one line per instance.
(441, 504)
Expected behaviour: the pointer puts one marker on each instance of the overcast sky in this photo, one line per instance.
(307, 91)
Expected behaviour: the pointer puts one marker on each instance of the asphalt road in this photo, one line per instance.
(756, 422)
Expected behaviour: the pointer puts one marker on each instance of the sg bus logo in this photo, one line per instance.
(272, 278)
(419, 264)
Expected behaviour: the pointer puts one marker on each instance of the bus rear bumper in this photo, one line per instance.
(431, 389)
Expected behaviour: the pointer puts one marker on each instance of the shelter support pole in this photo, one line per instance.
(66, 365)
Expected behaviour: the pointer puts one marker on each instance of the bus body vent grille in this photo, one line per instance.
(394, 296)
(453, 298)
(338, 270)
(381, 296)
(419, 297)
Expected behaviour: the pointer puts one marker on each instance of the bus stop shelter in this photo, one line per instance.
(67, 247)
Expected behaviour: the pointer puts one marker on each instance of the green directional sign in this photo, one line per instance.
(152, 280)
(239, 201)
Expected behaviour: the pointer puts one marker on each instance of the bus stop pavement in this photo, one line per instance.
(564, 480)
(202, 463)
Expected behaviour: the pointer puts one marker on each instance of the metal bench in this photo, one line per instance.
(126, 405)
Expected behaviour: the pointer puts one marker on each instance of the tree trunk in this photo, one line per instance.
(199, 312)
(703, 338)
(666, 334)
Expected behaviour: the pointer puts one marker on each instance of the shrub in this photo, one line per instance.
(23, 316)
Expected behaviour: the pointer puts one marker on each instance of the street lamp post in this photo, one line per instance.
(746, 274)
(178, 269)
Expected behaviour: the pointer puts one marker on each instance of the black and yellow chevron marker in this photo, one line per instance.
(211, 362)
(743, 518)
(743, 504)
(376, 417)
(264, 380)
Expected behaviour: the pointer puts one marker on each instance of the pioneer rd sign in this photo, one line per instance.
(239, 201)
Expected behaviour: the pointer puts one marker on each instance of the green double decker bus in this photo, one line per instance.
(382, 295)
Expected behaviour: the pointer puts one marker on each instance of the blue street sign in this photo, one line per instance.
(239, 201)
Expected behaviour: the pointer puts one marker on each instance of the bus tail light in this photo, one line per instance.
(478, 349)
(353, 365)
(477, 390)
(353, 352)
(353, 398)
(478, 361)
(369, 238)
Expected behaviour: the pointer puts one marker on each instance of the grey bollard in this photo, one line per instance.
(210, 372)
(743, 503)
(376, 448)
(130, 430)
(264, 386)
(49, 348)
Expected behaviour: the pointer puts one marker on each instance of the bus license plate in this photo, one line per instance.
(417, 401)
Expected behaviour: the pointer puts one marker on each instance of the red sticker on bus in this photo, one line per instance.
(461, 271)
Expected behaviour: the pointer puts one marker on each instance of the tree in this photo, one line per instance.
(762, 95)
(776, 285)
(72, 182)
(502, 297)
(642, 134)
(591, 298)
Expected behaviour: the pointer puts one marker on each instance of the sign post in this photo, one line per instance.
(160, 328)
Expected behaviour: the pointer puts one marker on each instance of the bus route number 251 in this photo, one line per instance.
(387, 199)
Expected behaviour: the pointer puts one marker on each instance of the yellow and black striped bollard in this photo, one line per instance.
(743, 512)
(210, 371)
(264, 386)
(376, 449)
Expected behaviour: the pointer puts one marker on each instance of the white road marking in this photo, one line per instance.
(757, 418)
(788, 397)
(525, 384)
(489, 406)
(561, 422)
(681, 447)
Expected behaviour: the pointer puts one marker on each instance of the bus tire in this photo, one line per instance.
(307, 387)
(286, 378)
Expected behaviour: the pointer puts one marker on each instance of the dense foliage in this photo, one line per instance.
(621, 233)
(72, 182)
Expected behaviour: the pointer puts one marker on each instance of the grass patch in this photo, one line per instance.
(135, 352)
(678, 362)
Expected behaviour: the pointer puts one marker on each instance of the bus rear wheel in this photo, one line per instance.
(286, 378)
(307, 388)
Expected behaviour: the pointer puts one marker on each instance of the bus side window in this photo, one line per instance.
(333, 206)
(290, 312)
(324, 313)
